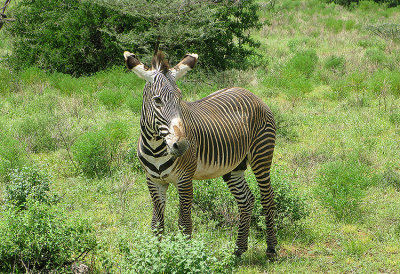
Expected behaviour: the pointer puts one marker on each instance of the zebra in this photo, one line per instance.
(218, 135)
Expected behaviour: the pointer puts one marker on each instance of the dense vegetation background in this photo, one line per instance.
(73, 192)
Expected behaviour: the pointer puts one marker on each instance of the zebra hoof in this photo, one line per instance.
(238, 253)
(271, 253)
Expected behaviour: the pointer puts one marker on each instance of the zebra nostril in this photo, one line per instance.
(175, 146)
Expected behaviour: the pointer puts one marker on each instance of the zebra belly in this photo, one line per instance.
(206, 171)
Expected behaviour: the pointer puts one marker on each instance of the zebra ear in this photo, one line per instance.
(186, 64)
(141, 70)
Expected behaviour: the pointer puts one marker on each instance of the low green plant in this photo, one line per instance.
(304, 61)
(173, 254)
(12, 153)
(376, 56)
(37, 131)
(341, 187)
(335, 63)
(98, 151)
(27, 182)
(384, 82)
(42, 239)
(112, 99)
(333, 24)
(290, 204)
(213, 198)
(391, 177)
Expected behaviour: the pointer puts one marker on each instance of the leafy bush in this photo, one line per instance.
(385, 81)
(376, 56)
(174, 254)
(111, 98)
(27, 182)
(364, 4)
(65, 36)
(388, 31)
(41, 239)
(291, 205)
(215, 200)
(341, 186)
(391, 177)
(333, 24)
(37, 131)
(12, 153)
(335, 63)
(219, 31)
(98, 151)
(304, 61)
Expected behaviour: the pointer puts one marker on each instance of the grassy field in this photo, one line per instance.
(334, 87)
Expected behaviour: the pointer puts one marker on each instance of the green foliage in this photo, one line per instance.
(385, 81)
(216, 30)
(291, 205)
(335, 63)
(391, 177)
(37, 131)
(341, 186)
(12, 153)
(388, 31)
(304, 62)
(174, 254)
(214, 199)
(335, 25)
(365, 5)
(65, 36)
(97, 151)
(376, 56)
(27, 183)
(41, 239)
(111, 98)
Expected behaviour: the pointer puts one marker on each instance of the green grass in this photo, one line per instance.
(334, 89)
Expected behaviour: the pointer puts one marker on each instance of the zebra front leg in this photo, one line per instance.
(185, 191)
(245, 199)
(158, 193)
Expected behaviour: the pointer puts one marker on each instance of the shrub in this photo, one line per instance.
(65, 35)
(37, 132)
(27, 182)
(174, 254)
(376, 56)
(215, 200)
(41, 239)
(291, 205)
(335, 63)
(383, 81)
(391, 177)
(304, 61)
(12, 153)
(219, 31)
(335, 25)
(98, 151)
(111, 98)
(341, 186)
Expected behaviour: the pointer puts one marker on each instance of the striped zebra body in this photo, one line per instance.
(218, 135)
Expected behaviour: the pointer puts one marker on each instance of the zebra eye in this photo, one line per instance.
(157, 101)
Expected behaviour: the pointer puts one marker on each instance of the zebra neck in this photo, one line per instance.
(153, 145)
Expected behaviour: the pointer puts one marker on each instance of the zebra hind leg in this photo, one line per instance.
(245, 199)
(260, 163)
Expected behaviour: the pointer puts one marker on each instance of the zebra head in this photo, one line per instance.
(162, 108)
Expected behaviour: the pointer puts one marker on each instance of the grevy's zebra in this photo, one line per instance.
(218, 135)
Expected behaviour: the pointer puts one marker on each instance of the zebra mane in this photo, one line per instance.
(159, 62)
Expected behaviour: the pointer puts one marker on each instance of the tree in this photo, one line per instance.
(219, 31)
